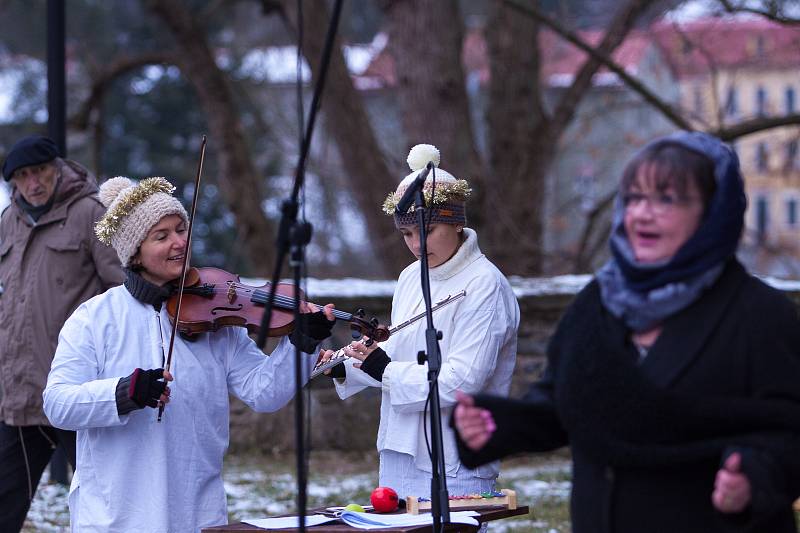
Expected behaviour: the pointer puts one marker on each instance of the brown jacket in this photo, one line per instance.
(47, 269)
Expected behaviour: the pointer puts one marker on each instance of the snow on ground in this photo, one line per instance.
(258, 486)
(523, 287)
(49, 510)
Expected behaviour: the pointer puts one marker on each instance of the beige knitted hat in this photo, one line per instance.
(446, 201)
(132, 210)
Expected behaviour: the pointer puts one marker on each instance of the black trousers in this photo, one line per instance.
(24, 454)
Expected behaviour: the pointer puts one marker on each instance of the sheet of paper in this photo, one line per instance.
(288, 521)
(378, 521)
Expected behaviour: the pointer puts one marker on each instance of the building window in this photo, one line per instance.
(791, 212)
(760, 46)
(761, 102)
(762, 217)
(789, 100)
(731, 102)
(792, 155)
(762, 157)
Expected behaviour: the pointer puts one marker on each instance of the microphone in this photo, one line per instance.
(408, 197)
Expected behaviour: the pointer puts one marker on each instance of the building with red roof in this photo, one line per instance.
(737, 69)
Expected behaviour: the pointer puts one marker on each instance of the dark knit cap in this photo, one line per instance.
(445, 196)
(450, 212)
(31, 150)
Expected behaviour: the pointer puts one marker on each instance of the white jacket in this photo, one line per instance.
(133, 473)
(478, 349)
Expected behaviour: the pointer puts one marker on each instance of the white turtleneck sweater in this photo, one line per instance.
(478, 348)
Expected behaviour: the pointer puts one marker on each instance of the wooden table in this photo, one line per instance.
(487, 514)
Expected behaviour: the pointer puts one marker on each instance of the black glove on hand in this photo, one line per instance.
(310, 330)
(338, 372)
(376, 363)
(142, 388)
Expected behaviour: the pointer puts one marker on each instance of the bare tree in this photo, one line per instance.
(345, 118)
(519, 147)
(239, 181)
(431, 90)
(782, 11)
(524, 134)
(90, 114)
(602, 55)
(773, 10)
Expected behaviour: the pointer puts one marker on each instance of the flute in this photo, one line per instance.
(338, 356)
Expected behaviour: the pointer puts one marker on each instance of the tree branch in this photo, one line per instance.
(119, 67)
(601, 55)
(211, 9)
(241, 184)
(346, 120)
(585, 252)
(755, 125)
(713, 70)
(605, 60)
(773, 11)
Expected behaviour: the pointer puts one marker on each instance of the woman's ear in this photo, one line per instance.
(459, 228)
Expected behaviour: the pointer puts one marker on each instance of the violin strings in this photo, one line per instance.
(259, 296)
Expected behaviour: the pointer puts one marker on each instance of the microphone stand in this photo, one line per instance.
(295, 235)
(440, 506)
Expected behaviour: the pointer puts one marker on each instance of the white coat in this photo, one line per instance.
(478, 349)
(133, 473)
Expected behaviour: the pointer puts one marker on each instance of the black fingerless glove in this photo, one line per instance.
(310, 330)
(375, 364)
(338, 372)
(142, 388)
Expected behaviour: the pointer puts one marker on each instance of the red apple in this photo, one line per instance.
(384, 500)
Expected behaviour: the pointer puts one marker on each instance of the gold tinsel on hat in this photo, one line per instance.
(458, 190)
(112, 220)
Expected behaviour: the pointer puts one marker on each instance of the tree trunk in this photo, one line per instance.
(523, 138)
(425, 41)
(519, 145)
(368, 178)
(239, 182)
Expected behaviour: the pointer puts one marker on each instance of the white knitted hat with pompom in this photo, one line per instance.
(132, 209)
(446, 196)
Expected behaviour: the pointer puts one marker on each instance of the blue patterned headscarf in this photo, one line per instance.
(643, 295)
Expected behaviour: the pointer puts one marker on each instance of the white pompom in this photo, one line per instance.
(112, 188)
(421, 155)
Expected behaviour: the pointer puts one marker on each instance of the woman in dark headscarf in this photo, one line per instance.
(674, 374)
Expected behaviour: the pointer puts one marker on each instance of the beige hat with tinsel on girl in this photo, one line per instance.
(444, 194)
(134, 208)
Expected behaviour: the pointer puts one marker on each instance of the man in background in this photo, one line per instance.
(50, 262)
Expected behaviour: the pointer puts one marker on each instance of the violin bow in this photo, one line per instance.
(185, 265)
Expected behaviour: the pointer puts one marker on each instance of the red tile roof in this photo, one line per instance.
(689, 49)
(560, 57)
(696, 47)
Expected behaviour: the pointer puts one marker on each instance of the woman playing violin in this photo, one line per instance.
(133, 473)
(478, 345)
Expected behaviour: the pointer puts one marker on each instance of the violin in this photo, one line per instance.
(214, 298)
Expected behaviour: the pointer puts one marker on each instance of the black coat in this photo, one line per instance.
(647, 438)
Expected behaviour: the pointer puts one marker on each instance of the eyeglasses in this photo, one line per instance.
(660, 203)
